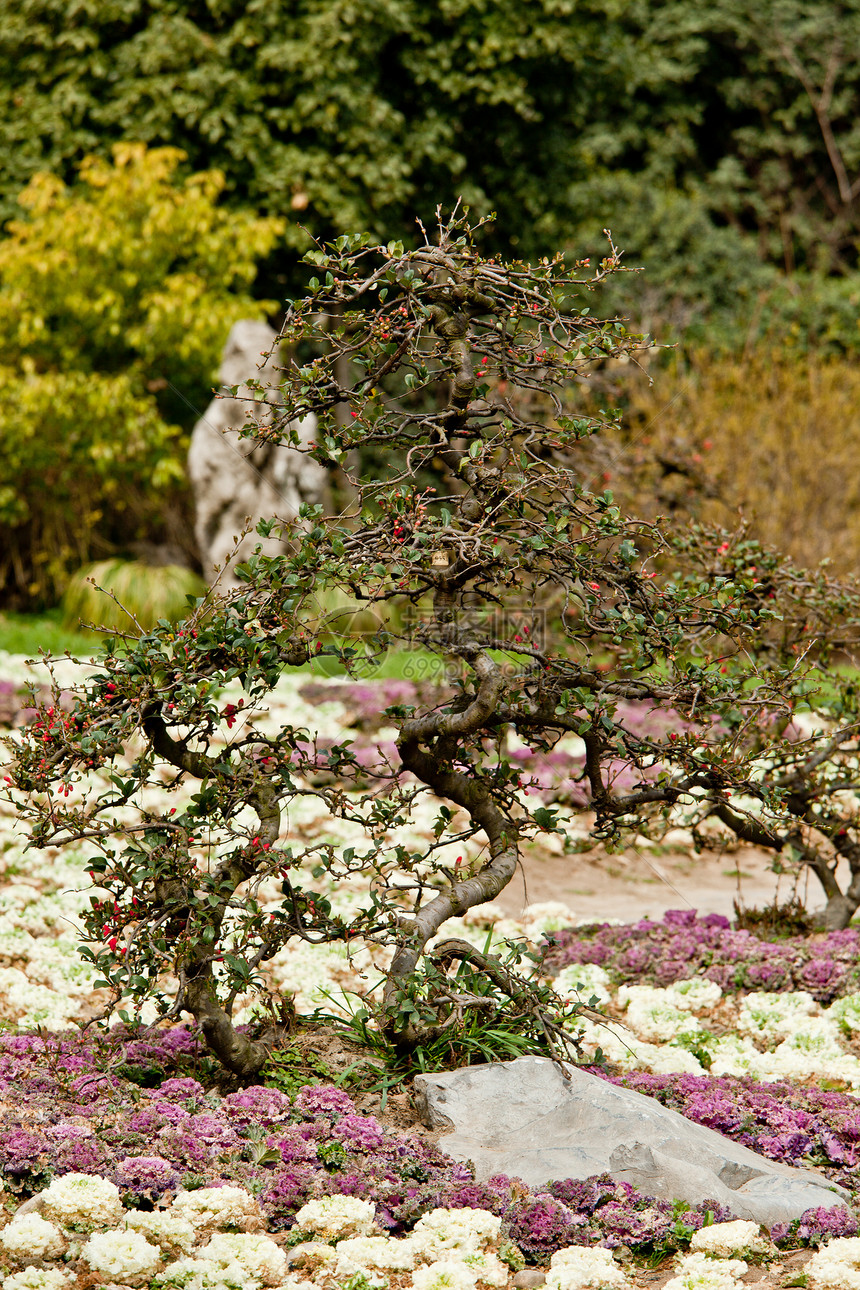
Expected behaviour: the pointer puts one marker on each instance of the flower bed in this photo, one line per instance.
(191, 1188)
(684, 945)
(86, 1113)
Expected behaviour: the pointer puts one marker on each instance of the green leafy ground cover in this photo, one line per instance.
(27, 634)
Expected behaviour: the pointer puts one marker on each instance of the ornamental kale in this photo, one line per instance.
(781, 1121)
(150, 1142)
(684, 945)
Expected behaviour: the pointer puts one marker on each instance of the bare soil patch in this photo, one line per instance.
(644, 881)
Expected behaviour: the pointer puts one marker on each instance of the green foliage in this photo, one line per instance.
(700, 280)
(115, 298)
(128, 597)
(769, 143)
(807, 313)
(790, 80)
(290, 1070)
(679, 1235)
(331, 1154)
(360, 1281)
(719, 141)
(357, 116)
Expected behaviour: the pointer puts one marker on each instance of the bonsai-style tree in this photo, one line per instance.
(556, 618)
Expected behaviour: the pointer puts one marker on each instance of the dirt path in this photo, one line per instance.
(645, 881)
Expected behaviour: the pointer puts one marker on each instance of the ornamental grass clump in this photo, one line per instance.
(556, 619)
(127, 595)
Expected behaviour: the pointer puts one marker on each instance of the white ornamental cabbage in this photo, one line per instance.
(162, 1227)
(446, 1274)
(487, 1267)
(837, 1266)
(701, 1272)
(361, 1252)
(654, 1015)
(121, 1254)
(37, 1279)
(581, 982)
(204, 1274)
(216, 1207)
(314, 1257)
(668, 1059)
(845, 1012)
(696, 993)
(261, 1258)
(632, 1054)
(337, 1216)
(32, 1237)
(546, 916)
(82, 1198)
(732, 1055)
(723, 1240)
(768, 1014)
(443, 1230)
(585, 1268)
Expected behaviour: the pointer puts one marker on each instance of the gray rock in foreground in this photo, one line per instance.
(524, 1119)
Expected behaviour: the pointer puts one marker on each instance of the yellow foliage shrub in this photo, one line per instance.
(770, 437)
(116, 296)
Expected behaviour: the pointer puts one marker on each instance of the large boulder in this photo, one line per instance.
(531, 1120)
(235, 480)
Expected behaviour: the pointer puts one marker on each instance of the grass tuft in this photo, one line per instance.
(118, 594)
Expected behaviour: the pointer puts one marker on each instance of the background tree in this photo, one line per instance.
(115, 298)
(560, 617)
(357, 117)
